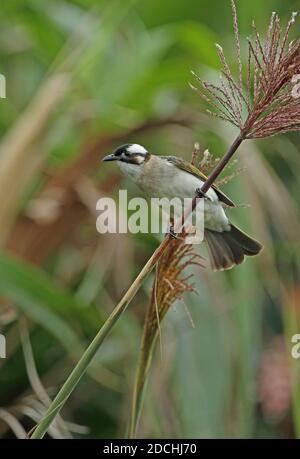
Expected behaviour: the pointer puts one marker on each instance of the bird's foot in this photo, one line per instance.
(200, 194)
(171, 232)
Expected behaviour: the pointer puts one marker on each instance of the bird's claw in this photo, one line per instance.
(200, 194)
(172, 233)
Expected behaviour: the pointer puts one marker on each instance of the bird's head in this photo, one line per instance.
(130, 153)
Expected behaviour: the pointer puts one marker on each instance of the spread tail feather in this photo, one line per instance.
(229, 248)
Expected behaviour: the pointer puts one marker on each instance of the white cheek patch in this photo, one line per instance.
(139, 159)
(136, 148)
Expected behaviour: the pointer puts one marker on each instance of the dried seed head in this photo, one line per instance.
(170, 283)
(267, 102)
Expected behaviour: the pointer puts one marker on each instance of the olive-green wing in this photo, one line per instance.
(188, 167)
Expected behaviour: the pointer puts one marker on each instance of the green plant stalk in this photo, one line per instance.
(142, 371)
(90, 352)
(296, 401)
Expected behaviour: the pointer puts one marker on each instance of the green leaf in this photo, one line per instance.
(39, 298)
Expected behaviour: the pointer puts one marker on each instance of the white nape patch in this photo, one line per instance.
(136, 148)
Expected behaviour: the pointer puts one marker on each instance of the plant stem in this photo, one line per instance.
(85, 360)
(143, 367)
(90, 352)
(222, 164)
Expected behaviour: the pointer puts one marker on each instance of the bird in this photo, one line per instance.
(171, 176)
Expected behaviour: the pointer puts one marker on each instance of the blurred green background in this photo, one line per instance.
(83, 77)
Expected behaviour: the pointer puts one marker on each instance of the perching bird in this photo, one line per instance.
(169, 176)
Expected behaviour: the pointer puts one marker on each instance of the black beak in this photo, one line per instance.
(110, 157)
